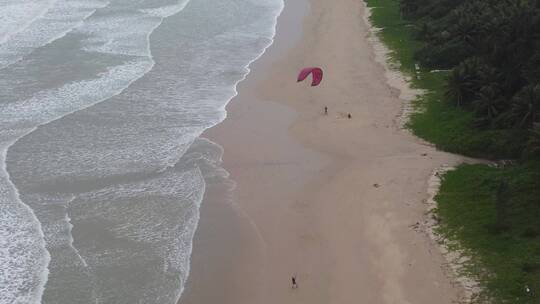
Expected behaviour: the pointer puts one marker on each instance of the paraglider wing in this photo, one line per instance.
(317, 75)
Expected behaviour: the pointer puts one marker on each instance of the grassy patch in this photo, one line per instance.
(439, 122)
(450, 129)
(397, 34)
(470, 214)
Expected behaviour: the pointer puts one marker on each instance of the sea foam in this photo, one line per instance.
(24, 259)
(56, 21)
(156, 168)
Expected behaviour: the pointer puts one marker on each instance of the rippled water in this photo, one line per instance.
(102, 103)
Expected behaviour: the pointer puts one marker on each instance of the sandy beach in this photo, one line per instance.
(329, 199)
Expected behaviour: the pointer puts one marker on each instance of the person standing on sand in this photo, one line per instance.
(294, 285)
(325, 110)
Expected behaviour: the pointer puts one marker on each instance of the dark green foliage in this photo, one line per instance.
(526, 107)
(493, 50)
(486, 106)
(533, 144)
(464, 83)
(484, 113)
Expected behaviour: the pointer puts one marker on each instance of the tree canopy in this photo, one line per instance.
(493, 50)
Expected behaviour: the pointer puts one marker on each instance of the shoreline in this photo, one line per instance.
(224, 227)
(288, 161)
(455, 258)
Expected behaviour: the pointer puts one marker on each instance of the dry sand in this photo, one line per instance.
(329, 199)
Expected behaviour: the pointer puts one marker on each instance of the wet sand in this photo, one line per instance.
(329, 199)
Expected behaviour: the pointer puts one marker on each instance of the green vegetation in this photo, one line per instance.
(480, 65)
(492, 48)
(500, 228)
(460, 129)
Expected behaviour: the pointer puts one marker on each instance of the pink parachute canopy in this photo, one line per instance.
(317, 75)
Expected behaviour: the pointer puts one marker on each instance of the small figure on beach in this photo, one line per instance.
(349, 115)
(325, 110)
(294, 285)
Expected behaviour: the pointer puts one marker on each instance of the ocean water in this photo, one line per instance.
(102, 171)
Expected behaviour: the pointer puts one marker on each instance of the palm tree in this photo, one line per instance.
(457, 86)
(526, 107)
(533, 144)
(408, 7)
(470, 22)
(531, 69)
(489, 102)
(463, 81)
(466, 29)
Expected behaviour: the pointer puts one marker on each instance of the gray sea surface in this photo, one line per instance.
(102, 169)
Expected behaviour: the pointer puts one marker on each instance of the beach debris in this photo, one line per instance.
(415, 227)
(316, 72)
(376, 185)
(502, 163)
(424, 154)
(417, 71)
(436, 219)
